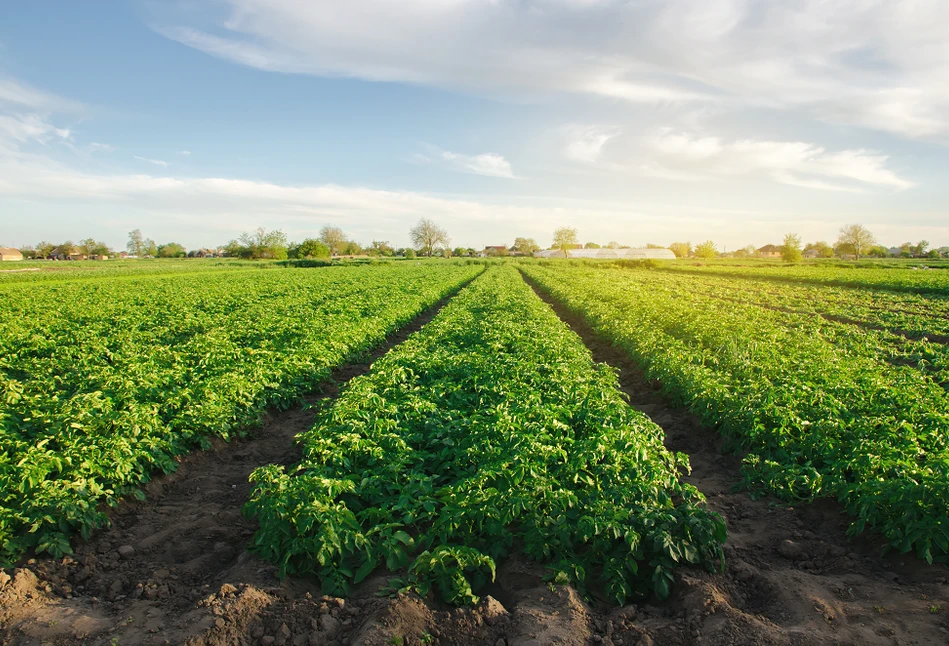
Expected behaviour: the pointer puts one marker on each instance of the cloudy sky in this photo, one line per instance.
(632, 120)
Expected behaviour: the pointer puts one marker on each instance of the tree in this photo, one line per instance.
(446, 253)
(706, 250)
(381, 248)
(172, 250)
(459, 251)
(920, 249)
(855, 239)
(426, 235)
(823, 249)
(612, 244)
(878, 251)
(410, 253)
(565, 239)
(29, 252)
(591, 245)
(526, 246)
(334, 238)
(681, 249)
(44, 249)
(150, 248)
(791, 249)
(136, 243)
(350, 248)
(263, 244)
(309, 248)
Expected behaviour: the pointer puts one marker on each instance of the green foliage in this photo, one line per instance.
(106, 378)
(816, 403)
(490, 430)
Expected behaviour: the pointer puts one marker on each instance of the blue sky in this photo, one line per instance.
(650, 121)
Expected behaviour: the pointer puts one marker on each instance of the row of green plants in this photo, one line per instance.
(816, 416)
(899, 328)
(105, 382)
(488, 432)
(921, 280)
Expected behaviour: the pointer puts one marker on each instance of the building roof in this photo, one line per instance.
(770, 248)
(10, 251)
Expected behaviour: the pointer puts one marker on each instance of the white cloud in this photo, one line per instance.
(96, 147)
(585, 143)
(184, 153)
(790, 162)
(487, 164)
(157, 162)
(877, 64)
(15, 93)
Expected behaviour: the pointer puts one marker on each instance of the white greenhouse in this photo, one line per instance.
(626, 254)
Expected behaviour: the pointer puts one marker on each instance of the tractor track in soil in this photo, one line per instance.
(190, 580)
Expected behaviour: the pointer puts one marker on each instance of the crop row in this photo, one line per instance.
(490, 430)
(902, 329)
(934, 281)
(817, 417)
(103, 383)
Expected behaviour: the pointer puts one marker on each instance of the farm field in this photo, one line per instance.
(819, 413)
(483, 468)
(919, 278)
(107, 380)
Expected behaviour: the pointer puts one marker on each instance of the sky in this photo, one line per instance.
(637, 121)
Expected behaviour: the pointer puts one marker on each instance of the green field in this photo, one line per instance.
(489, 432)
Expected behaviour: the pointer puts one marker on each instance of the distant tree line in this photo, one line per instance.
(430, 239)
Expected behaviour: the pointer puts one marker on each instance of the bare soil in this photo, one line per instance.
(792, 576)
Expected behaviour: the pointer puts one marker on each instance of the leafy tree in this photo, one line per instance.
(28, 252)
(823, 249)
(706, 250)
(350, 248)
(920, 249)
(381, 248)
(410, 253)
(591, 245)
(263, 244)
(526, 246)
(426, 235)
(44, 249)
(150, 249)
(791, 249)
(334, 238)
(460, 251)
(681, 249)
(172, 250)
(878, 251)
(855, 239)
(649, 245)
(565, 239)
(309, 248)
(612, 244)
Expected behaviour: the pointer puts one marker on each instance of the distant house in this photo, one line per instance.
(9, 253)
(769, 251)
(811, 253)
(99, 258)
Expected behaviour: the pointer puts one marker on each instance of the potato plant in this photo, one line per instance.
(105, 379)
(818, 414)
(489, 431)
